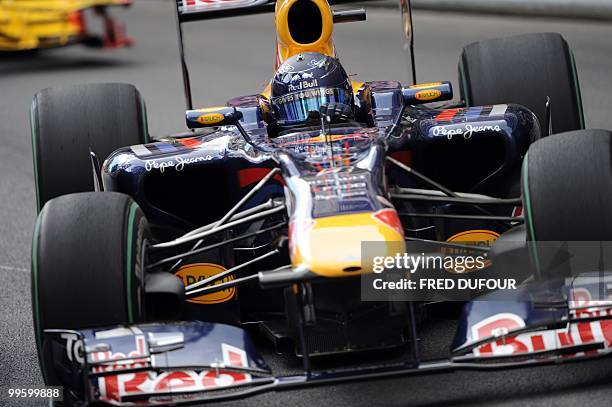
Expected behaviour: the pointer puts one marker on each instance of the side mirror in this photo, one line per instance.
(218, 116)
(427, 93)
(212, 117)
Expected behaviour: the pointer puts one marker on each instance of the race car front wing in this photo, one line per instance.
(191, 362)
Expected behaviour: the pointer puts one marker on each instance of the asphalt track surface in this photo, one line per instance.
(235, 57)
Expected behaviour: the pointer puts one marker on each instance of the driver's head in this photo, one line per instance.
(303, 83)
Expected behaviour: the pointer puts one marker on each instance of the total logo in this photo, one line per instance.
(304, 85)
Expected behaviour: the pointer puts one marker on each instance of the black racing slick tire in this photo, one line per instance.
(567, 189)
(87, 267)
(524, 69)
(68, 121)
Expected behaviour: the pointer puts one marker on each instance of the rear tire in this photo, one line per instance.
(67, 122)
(87, 266)
(524, 69)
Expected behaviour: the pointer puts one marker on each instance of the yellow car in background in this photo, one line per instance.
(37, 24)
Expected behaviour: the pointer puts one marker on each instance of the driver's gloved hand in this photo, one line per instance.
(336, 112)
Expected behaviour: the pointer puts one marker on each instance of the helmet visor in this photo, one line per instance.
(293, 108)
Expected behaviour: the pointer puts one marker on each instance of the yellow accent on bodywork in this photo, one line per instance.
(356, 86)
(30, 24)
(287, 46)
(213, 109)
(331, 246)
(267, 91)
(425, 85)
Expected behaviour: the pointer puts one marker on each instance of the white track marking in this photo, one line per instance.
(11, 268)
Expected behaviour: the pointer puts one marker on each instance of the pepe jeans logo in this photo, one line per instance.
(467, 130)
(178, 163)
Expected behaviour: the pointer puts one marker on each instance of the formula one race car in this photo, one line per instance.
(27, 25)
(163, 275)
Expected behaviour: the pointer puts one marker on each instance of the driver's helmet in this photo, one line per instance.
(303, 83)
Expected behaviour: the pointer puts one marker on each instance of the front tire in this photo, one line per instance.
(87, 266)
(567, 195)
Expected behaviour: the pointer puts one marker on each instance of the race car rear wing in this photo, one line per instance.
(196, 10)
